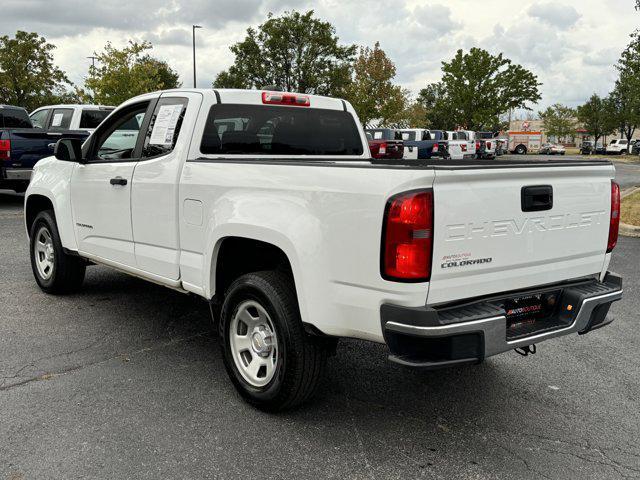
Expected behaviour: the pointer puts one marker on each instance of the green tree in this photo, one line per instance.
(372, 92)
(414, 116)
(477, 88)
(124, 73)
(596, 117)
(626, 93)
(28, 76)
(436, 106)
(294, 52)
(558, 121)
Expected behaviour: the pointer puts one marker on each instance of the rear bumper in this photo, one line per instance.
(19, 174)
(434, 338)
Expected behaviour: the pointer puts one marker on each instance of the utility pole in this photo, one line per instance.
(93, 60)
(193, 31)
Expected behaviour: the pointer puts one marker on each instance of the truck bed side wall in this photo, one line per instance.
(327, 220)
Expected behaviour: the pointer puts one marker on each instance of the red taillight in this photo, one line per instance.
(383, 149)
(435, 148)
(292, 99)
(488, 145)
(477, 145)
(463, 147)
(408, 237)
(5, 149)
(614, 219)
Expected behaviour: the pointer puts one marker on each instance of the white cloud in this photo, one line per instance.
(561, 16)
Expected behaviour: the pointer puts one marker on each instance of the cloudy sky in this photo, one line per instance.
(570, 44)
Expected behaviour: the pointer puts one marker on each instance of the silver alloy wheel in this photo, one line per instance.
(44, 253)
(253, 343)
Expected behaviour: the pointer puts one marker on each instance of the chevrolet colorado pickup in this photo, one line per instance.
(268, 206)
(23, 141)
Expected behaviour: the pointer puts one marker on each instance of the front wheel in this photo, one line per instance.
(273, 363)
(54, 270)
(521, 150)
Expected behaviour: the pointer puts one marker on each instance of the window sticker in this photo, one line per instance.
(57, 119)
(165, 125)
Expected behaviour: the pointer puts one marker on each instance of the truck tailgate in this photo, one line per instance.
(485, 242)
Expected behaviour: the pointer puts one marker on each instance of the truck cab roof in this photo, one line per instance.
(11, 107)
(14, 117)
(76, 106)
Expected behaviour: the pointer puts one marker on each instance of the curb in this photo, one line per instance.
(625, 229)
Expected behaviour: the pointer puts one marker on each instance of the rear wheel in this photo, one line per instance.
(54, 270)
(521, 150)
(273, 363)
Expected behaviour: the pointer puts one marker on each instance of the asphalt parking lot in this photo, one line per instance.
(125, 380)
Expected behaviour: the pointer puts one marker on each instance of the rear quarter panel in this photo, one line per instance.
(327, 220)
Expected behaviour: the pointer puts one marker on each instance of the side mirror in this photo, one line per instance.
(68, 149)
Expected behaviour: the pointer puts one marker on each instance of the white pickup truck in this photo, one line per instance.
(268, 206)
(460, 146)
(69, 117)
(486, 145)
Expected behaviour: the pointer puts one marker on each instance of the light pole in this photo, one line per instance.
(193, 31)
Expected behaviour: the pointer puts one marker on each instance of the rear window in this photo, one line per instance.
(93, 118)
(385, 134)
(460, 136)
(274, 130)
(14, 118)
(61, 119)
(411, 136)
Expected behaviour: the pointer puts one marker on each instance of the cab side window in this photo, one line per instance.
(39, 118)
(117, 140)
(60, 119)
(164, 127)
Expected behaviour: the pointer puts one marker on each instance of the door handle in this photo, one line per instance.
(118, 181)
(536, 198)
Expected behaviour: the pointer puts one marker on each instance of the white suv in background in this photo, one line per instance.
(619, 146)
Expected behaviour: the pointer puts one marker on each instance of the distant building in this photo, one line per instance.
(574, 140)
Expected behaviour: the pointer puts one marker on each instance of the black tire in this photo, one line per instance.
(67, 271)
(301, 358)
(521, 150)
